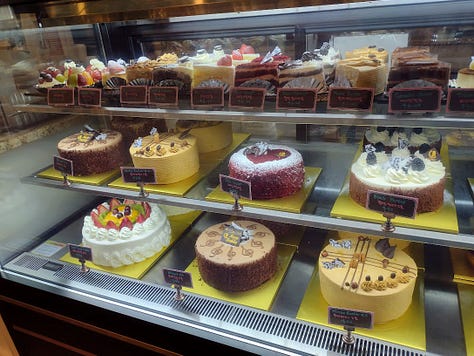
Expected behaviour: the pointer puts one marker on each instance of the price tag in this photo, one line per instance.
(235, 186)
(231, 236)
(138, 175)
(414, 100)
(163, 96)
(392, 203)
(460, 100)
(296, 99)
(250, 98)
(353, 318)
(60, 96)
(133, 94)
(80, 252)
(358, 99)
(89, 96)
(178, 277)
(207, 97)
(63, 165)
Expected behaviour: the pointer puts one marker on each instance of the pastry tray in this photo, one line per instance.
(466, 303)
(444, 219)
(293, 203)
(462, 271)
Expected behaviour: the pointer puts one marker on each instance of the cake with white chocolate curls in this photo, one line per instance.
(363, 274)
(236, 256)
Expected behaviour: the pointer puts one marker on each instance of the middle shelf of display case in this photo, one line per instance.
(272, 116)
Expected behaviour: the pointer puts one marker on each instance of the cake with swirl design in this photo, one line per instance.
(236, 256)
(420, 175)
(362, 273)
(125, 232)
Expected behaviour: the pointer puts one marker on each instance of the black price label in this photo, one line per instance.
(358, 99)
(133, 94)
(60, 96)
(414, 100)
(460, 100)
(89, 96)
(296, 99)
(207, 97)
(63, 165)
(178, 277)
(163, 96)
(352, 318)
(251, 98)
(391, 203)
(234, 186)
(138, 175)
(80, 252)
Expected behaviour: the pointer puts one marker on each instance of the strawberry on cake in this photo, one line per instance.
(274, 171)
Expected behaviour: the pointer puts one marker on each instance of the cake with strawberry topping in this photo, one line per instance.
(274, 171)
(125, 232)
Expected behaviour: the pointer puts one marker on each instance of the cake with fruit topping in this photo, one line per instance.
(274, 171)
(173, 156)
(465, 76)
(420, 175)
(125, 232)
(362, 273)
(237, 255)
(92, 151)
(211, 135)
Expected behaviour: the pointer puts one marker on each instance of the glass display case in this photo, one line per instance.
(45, 208)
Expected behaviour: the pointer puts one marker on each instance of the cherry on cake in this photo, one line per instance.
(274, 171)
(237, 255)
(362, 273)
(125, 232)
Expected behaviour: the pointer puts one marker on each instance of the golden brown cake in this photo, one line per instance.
(363, 73)
(465, 77)
(211, 135)
(173, 156)
(236, 256)
(367, 274)
(205, 72)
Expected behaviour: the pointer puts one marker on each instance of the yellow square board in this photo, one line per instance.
(408, 330)
(260, 297)
(179, 223)
(292, 203)
(444, 219)
(463, 273)
(94, 179)
(466, 303)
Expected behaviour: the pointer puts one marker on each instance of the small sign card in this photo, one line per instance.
(357, 99)
(60, 96)
(178, 277)
(80, 252)
(138, 175)
(207, 97)
(250, 98)
(426, 99)
(460, 100)
(163, 96)
(232, 235)
(353, 318)
(391, 203)
(89, 96)
(63, 165)
(133, 94)
(296, 99)
(235, 186)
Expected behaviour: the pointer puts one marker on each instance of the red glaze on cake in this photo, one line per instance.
(274, 171)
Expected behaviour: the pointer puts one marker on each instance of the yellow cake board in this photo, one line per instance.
(444, 219)
(408, 330)
(179, 223)
(94, 179)
(466, 302)
(293, 203)
(260, 297)
(220, 155)
(463, 272)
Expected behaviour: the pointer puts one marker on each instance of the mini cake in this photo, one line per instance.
(180, 76)
(206, 72)
(363, 73)
(236, 256)
(274, 171)
(114, 75)
(369, 275)
(174, 156)
(211, 135)
(144, 67)
(421, 176)
(465, 76)
(92, 151)
(122, 233)
(327, 57)
(131, 128)
(298, 74)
